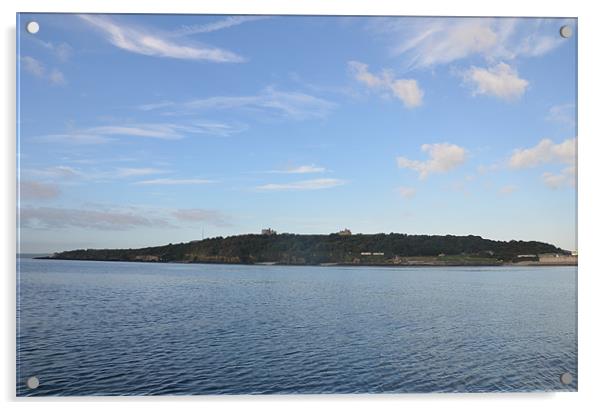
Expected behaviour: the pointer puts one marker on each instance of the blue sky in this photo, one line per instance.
(140, 130)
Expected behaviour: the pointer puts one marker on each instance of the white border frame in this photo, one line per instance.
(589, 204)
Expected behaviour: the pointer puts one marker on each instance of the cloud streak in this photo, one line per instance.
(507, 189)
(546, 151)
(288, 104)
(307, 185)
(61, 172)
(152, 42)
(429, 42)
(67, 173)
(566, 178)
(406, 90)
(210, 216)
(501, 81)
(37, 69)
(443, 157)
(118, 218)
(225, 23)
(302, 169)
(136, 172)
(406, 192)
(175, 181)
(62, 51)
(61, 218)
(32, 190)
(163, 131)
(563, 113)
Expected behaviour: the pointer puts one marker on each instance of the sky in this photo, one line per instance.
(142, 130)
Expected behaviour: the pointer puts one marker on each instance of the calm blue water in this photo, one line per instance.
(108, 328)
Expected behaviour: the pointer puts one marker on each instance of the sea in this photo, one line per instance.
(119, 328)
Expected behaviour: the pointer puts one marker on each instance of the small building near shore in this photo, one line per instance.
(345, 232)
(372, 254)
(525, 258)
(558, 259)
(268, 231)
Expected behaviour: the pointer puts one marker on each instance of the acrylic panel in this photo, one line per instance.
(213, 204)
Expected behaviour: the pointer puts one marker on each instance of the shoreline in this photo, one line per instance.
(327, 265)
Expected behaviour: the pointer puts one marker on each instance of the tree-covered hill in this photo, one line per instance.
(393, 248)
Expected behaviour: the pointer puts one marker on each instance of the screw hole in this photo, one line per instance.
(33, 382)
(566, 378)
(566, 31)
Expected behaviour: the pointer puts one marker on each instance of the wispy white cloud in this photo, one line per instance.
(74, 137)
(443, 157)
(508, 189)
(537, 44)
(56, 77)
(227, 22)
(311, 184)
(60, 218)
(32, 190)
(215, 128)
(500, 81)
(37, 69)
(288, 104)
(33, 66)
(440, 41)
(566, 178)
(546, 151)
(406, 192)
(60, 172)
(562, 113)
(153, 42)
(161, 131)
(294, 105)
(107, 217)
(63, 173)
(406, 90)
(165, 131)
(136, 172)
(210, 216)
(176, 181)
(62, 51)
(428, 42)
(155, 106)
(302, 169)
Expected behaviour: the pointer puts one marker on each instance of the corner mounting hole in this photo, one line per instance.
(33, 382)
(566, 378)
(32, 27)
(566, 31)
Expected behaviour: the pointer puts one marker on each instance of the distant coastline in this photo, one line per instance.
(339, 249)
(326, 265)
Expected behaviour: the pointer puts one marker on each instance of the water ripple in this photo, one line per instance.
(92, 328)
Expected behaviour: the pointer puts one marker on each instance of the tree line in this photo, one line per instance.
(316, 249)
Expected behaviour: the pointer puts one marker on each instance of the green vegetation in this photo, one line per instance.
(291, 249)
